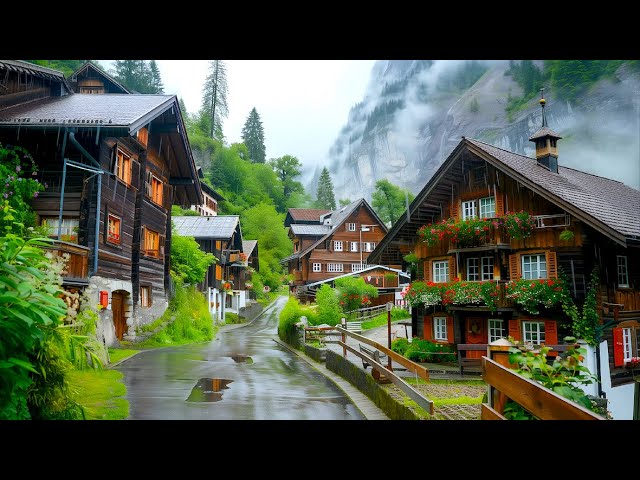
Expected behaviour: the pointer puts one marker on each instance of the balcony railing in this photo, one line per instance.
(556, 220)
(77, 268)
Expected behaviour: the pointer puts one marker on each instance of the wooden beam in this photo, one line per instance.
(488, 413)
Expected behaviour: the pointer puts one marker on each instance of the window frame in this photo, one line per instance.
(369, 246)
(123, 166)
(489, 275)
(149, 232)
(110, 239)
(464, 207)
(316, 267)
(358, 267)
(353, 246)
(337, 246)
(492, 328)
(540, 332)
(435, 267)
(493, 200)
(68, 224)
(440, 326)
(522, 264)
(625, 267)
(148, 296)
(351, 227)
(476, 267)
(335, 267)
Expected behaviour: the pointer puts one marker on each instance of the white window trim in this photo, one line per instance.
(625, 267)
(627, 348)
(351, 227)
(477, 269)
(440, 329)
(369, 246)
(493, 328)
(337, 245)
(480, 207)
(317, 267)
(335, 267)
(537, 263)
(482, 275)
(465, 207)
(540, 331)
(353, 246)
(357, 267)
(433, 273)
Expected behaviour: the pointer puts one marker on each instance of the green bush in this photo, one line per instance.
(233, 318)
(400, 346)
(422, 351)
(328, 305)
(289, 316)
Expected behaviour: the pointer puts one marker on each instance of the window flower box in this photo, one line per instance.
(533, 294)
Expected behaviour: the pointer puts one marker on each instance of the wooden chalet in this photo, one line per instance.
(112, 165)
(91, 79)
(209, 203)
(478, 180)
(328, 244)
(221, 235)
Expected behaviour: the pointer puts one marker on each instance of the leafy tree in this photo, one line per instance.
(344, 202)
(324, 195)
(390, 201)
(328, 305)
(183, 109)
(253, 137)
(188, 262)
(214, 99)
(354, 293)
(156, 79)
(287, 168)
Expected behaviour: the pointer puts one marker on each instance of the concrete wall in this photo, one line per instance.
(620, 398)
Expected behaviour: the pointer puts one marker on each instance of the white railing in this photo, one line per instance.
(556, 220)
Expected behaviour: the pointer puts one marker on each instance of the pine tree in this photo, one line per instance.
(136, 75)
(324, 196)
(156, 79)
(253, 137)
(214, 98)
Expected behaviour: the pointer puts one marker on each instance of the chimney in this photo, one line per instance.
(546, 142)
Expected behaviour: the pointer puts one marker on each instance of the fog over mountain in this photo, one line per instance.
(414, 112)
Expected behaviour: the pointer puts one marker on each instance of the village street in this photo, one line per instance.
(243, 374)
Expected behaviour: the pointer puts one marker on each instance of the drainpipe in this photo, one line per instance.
(82, 150)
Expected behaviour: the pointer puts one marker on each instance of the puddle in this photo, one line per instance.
(241, 358)
(208, 390)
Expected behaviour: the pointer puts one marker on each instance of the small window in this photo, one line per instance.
(317, 267)
(496, 329)
(337, 246)
(487, 207)
(440, 328)
(441, 271)
(487, 268)
(353, 246)
(334, 267)
(623, 273)
(151, 245)
(369, 246)
(357, 267)
(533, 332)
(69, 231)
(468, 209)
(351, 227)
(472, 270)
(113, 229)
(154, 188)
(534, 266)
(122, 167)
(145, 296)
(627, 344)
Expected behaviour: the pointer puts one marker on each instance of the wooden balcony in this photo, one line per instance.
(502, 302)
(76, 271)
(297, 276)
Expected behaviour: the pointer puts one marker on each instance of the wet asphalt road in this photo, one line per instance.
(241, 375)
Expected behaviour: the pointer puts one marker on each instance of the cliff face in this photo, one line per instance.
(415, 112)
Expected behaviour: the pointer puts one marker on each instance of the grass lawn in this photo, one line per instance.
(101, 394)
(396, 315)
(117, 354)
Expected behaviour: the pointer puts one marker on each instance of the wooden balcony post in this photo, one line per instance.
(498, 351)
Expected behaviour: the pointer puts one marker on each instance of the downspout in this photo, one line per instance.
(82, 150)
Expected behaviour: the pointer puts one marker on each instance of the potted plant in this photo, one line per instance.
(532, 294)
(517, 225)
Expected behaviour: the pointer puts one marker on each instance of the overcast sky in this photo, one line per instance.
(303, 104)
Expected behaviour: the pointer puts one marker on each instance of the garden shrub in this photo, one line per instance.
(329, 311)
(400, 345)
(422, 351)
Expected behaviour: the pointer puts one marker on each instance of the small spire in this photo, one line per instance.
(542, 104)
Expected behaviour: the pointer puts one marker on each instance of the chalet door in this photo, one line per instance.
(117, 307)
(476, 332)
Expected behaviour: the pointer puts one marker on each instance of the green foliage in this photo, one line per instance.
(325, 198)
(530, 78)
(564, 375)
(328, 305)
(188, 262)
(288, 168)
(188, 318)
(400, 346)
(390, 201)
(253, 137)
(100, 393)
(177, 211)
(532, 294)
(18, 186)
(214, 100)
(289, 316)
(585, 323)
(456, 292)
(233, 318)
(572, 78)
(379, 320)
(140, 76)
(425, 351)
(65, 66)
(355, 293)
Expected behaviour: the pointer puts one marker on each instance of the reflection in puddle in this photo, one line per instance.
(208, 390)
(241, 358)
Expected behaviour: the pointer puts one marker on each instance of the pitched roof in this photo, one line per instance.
(609, 201)
(211, 227)
(32, 68)
(108, 110)
(358, 273)
(248, 246)
(543, 132)
(306, 214)
(303, 229)
(88, 65)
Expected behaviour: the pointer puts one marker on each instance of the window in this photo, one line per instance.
(317, 267)
(151, 243)
(533, 332)
(472, 270)
(357, 267)
(334, 267)
(337, 246)
(154, 188)
(468, 209)
(351, 227)
(534, 266)
(440, 326)
(369, 246)
(623, 274)
(441, 271)
(296, 246)
(627, 344)
(487, 268)
(69, 232)
(113, 229)
(353, 246)
(496, 329)
(145, 296)
(122, 168)
(487, 207)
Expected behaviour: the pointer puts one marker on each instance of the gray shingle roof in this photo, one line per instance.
(544, 131)
(609, 201)
(217, 226)
(108, 110)
(248, 246)
(302, 229)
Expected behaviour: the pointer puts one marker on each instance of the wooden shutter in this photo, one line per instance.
(455, 209)
(514, 267)
(135, 174)
(499, 204)
(147, 183)
(161, 242)
(550, 332)
(514, 329)
(552, 265)
(618, 348)
(427, 327)
(450, 334)
(427, 271)
(167, 192)
(141, 248)
(452, 268)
